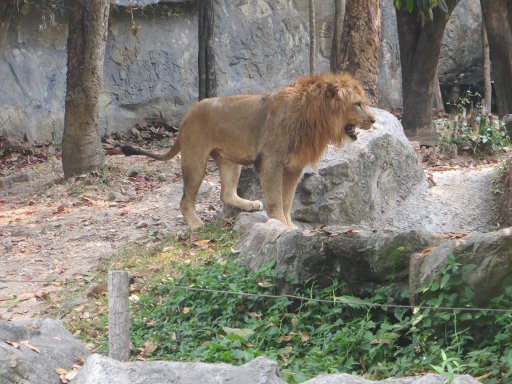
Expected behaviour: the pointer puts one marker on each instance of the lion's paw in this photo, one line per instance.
(257, 205)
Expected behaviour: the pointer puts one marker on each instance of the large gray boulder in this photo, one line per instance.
(361, 183)
(360, 258)
(103, 370)
(364, 181)
(31, 351)
(490, 253)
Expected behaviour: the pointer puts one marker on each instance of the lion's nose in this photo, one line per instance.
(372, 119)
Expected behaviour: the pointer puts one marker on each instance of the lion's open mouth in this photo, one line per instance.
(350, 131)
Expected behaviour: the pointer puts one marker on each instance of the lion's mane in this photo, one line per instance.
(314, 107)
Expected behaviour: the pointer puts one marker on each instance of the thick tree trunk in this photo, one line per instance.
(87, 37)
(499, 34)
(420, 46)
(206, 56)
(339, 16)
(360, 44)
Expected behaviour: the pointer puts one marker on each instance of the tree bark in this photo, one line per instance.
(360, 44)
(206, 55)
(487, 102)
(87, 37)
(339, 16)
(420, 46)
(312, 37)
(496, 18)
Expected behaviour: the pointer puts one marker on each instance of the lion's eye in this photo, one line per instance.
(359, 104)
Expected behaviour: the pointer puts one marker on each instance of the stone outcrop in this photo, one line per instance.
(362, 258)
(490, 253)
(43, 352)
(32, 350)
(361, 183)
(151, 60)
(102, 370)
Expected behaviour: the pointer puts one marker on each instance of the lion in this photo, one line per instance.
(279, 133)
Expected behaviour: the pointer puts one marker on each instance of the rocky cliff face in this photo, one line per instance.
(151, 60)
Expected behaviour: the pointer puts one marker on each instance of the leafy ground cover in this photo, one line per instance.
(199, 303)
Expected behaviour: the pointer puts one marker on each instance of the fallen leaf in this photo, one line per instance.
(240, 332)
(427, 250)
(149, 346)
(60, 209)
(71, 375)
(12, 344)
(202, 243)
(185, 310)
(310, 232)
(30, 346)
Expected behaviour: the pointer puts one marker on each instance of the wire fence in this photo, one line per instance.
(341, 301)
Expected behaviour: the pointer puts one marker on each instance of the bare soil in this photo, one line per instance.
(53, 231)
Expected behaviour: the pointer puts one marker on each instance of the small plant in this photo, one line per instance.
(471, 131)
(450, 367)
(501, 185)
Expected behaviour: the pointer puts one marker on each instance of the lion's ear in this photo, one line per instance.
(343, 93)
(331, 90)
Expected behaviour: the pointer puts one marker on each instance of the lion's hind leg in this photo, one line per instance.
(193, 174)
(229, 176)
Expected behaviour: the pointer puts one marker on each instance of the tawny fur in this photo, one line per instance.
(280, 133)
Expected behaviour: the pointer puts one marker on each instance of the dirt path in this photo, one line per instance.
(49, 231)
(52, 231)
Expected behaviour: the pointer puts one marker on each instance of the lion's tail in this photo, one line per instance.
(131, 151)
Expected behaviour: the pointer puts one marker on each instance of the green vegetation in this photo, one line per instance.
(471, 131)
(185, 317)
(180, 314)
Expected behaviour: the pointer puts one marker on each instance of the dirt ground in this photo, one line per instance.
(53, 230)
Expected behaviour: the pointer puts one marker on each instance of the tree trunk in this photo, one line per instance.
(7, 11)
(339, 16)
(420, 46)
(360, 44)
(499, 33)
(438, 97)
(206, 55)
(87, 37)
(487, 102)
(312, 37)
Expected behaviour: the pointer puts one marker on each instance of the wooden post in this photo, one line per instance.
(118, 315)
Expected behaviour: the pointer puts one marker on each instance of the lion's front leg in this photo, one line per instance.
(271, 176)
(291, 178)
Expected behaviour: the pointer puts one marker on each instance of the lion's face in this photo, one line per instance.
(356, 113)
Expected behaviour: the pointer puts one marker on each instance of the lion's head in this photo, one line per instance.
(323, 109)
(348, 100)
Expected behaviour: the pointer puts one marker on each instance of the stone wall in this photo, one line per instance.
(151, 60)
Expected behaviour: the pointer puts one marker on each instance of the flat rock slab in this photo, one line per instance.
(31, 351)
(103, 370)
